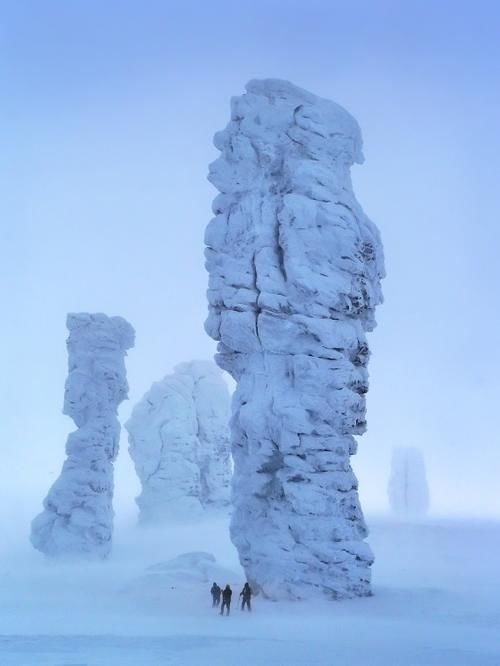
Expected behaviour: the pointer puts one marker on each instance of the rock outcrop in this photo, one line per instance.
(179, 442)
(77, 520)
(295, 268)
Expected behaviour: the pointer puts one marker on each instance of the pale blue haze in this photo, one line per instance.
(107, 111)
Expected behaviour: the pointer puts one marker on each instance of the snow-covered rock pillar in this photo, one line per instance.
(295, 268)
(212, 404)
(407, 489)
(179, 442)
(77, 520)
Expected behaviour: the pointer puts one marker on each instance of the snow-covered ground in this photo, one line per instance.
(436, 602)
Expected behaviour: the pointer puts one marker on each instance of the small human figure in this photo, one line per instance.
(215, 592)
(246, 594)
(227, 593)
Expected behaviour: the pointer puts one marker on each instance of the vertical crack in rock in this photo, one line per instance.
(179, 442)
(77, 520)
(294, 279)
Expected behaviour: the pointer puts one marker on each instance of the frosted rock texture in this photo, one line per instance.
(179, 442)
(294, 278)
(77, 520)
(407, 489)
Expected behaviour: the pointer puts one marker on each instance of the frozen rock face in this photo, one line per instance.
(77, 520)
(295, 268)
(212, 405)
(179, 442)
(407, 489)
(163, 445)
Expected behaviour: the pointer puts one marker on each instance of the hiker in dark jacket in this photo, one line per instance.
(215, 592)
(227, 593)
(246, 594)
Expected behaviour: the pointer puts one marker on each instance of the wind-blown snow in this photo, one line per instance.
(430, 606)
(77, 520)
(407, 489)
(295, 268)
(179, 442)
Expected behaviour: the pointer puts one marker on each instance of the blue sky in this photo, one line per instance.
(107, 112)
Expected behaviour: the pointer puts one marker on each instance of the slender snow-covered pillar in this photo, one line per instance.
(77, 520)
(295, 268)
(179, 442)
(407, 488)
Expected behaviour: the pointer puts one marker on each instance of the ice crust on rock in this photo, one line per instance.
(179, 442)
(77, 520)
(407, 488)
(294, 278)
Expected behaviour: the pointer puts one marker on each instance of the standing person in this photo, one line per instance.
(227, 593)
(215, 592)
(246, 593)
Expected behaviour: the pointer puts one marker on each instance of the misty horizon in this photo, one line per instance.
(105, 203)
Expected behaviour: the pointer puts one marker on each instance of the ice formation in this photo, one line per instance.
(295, 268)
(407, 488)
(179, 442)
(77, 520)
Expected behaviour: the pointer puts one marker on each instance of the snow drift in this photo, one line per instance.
(295, 268)
(193, 571)
(77, 519)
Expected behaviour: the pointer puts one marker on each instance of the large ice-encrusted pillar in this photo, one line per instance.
(179, 442)
(295, 268)
(77, 520)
